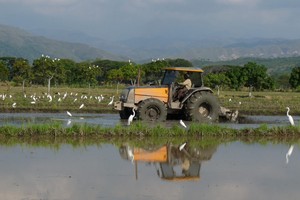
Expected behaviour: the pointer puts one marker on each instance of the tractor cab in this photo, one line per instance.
(175, 74)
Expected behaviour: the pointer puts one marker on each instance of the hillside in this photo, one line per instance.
(19, 43)
(144, 49)
(278, 55)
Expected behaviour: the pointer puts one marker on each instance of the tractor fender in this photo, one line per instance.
(194, 90)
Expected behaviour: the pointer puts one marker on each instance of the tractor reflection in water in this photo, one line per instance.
(170, 162)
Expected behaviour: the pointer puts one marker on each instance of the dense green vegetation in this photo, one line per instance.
(53, 71)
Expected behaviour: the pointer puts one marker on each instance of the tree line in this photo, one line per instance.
(46, 71)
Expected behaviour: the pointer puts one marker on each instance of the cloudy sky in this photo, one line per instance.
(123, 19)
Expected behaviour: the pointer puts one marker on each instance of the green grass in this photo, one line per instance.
(143, 135)
(86, 96)
(261, 103)
(140, 130)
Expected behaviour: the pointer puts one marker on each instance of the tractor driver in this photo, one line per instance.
(184, 87)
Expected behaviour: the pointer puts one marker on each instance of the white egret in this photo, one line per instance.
(130, 118)
(182, 123)
(14, 104)
(290, 117)
(75, 100)
(81, 106)
(65, 95)
(182, 146)
(50, 97)
(69, 113)
(69, 122)
(112, 100)
(289, 153)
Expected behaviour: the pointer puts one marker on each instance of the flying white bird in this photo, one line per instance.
(182, 123)
(69, 113)
(81, 106)
(112, 100)
(130, 118)
(290, 117)
(289, 153)
(182, 146)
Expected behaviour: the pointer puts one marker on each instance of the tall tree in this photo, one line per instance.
(4, 72)
(87, 73)
(256, 76)
(236, 79)
(179, 62)
(294, 79)
(45, 69)
(21, 72)
(153, 70)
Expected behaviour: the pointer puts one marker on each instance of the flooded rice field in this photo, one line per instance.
(110, 120)
(234, 170)
(227, 171)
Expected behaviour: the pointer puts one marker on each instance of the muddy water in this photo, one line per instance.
(231, 171)
(109, 120)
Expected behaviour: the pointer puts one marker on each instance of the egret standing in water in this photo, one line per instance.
(290, 151)
(182, 123)
(130, 118)
(69, 113)
(290, 117)
(112, 100)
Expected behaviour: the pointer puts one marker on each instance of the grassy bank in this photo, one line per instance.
(68, 98)
(141, 130)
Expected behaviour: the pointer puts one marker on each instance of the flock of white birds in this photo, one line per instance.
(58, 97)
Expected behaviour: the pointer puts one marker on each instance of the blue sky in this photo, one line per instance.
(123, 19)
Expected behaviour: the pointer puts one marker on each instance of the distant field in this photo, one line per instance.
(63, 98)
(261, 103)
(94, 99)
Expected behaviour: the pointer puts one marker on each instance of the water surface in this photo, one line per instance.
(227, 171)
(110, 120)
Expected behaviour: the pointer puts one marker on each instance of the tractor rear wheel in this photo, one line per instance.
(152, 110)
(202, 106)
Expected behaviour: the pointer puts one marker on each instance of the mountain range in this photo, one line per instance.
(79, 46)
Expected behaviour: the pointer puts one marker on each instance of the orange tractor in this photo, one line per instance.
(156, 103)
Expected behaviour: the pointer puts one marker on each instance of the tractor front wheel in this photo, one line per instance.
(152, 110)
